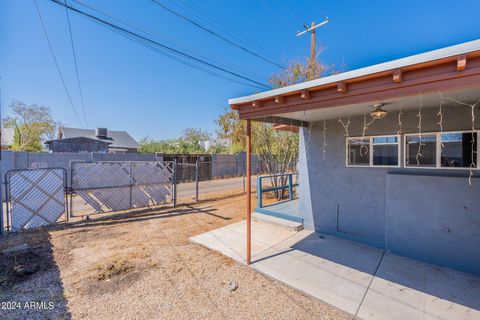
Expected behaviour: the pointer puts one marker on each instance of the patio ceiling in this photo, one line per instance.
(454, 70)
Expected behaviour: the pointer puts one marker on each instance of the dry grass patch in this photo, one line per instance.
(106, 271)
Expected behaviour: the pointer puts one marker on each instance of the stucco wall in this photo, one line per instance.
(352, 202)
(435, 219)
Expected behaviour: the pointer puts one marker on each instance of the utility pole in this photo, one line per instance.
(313, 45)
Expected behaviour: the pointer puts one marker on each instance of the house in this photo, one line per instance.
(78, 144)
(93, 140)
(388, 154)
(7, 137)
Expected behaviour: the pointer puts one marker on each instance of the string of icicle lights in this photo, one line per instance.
(472, 141)
(324, 139)
(366, 124)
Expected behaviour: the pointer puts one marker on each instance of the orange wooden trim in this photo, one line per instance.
(279, 99)
(461, 62)
(341, 87)
(305, 94)
(397, 76)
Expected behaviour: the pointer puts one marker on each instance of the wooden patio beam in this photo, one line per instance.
(341, 87)
(281, 121)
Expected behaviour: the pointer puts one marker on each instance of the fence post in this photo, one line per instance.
(131, 183)
(259, 192)
(2, 224)
(196, 181)
(7, 204)
(174, 182)
(290, 186)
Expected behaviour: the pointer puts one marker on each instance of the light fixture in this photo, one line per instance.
(378, 113)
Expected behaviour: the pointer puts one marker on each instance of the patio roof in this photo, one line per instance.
(452, 68)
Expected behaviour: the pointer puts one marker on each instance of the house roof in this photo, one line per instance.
(439, 54)
(79, 138)
(118, 139)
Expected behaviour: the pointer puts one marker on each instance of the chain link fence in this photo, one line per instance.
(204, 177)
(36, 197)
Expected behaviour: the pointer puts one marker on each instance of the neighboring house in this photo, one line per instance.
(78, 144)
(389, 153)
(7, 137)
(117, 141)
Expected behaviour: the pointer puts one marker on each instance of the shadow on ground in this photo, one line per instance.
(30, 282)
(447, 284)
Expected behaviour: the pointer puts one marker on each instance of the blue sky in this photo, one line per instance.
(128, 87)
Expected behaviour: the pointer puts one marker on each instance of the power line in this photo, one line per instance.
(209, 18)
(160, 45)
(280, 16)
(317, 7)
(56, 62)
(217, 35)
(156, 35)
(159, 51)
(294, 16)
(76, 66)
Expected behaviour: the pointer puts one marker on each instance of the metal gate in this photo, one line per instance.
(35, 197)
(106, 186)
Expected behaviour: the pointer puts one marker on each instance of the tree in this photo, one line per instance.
(278, 150)
(300, 71)
(32, 125)
(190, 142)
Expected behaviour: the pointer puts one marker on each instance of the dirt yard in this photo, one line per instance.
(141, 265)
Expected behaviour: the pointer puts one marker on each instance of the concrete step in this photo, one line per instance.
(290, 225)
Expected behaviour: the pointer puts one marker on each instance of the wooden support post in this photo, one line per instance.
(249, 193)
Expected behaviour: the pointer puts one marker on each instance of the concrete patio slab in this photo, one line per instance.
(335, 271)
(230, 240)
(356, 278)
(408, 289)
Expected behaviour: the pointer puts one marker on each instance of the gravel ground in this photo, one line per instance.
(140, 265)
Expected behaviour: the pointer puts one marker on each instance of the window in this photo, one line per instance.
(442, 150)
(373, 151)
(420, 151)
(458, 150)
(359, 151)
(385, 151)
